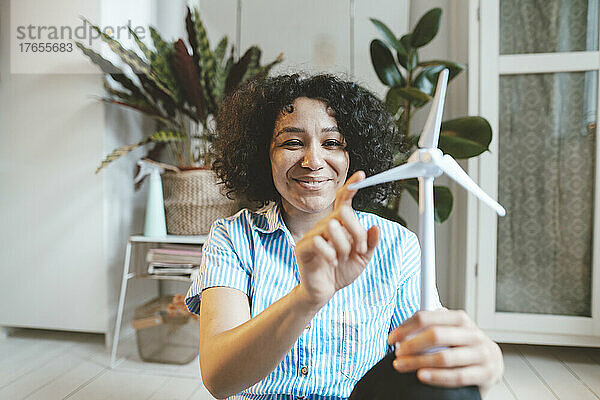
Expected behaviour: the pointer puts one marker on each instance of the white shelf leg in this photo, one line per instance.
(115, 342)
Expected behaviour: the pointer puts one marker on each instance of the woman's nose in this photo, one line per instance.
(313, 159)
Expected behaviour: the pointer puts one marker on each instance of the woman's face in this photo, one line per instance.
(308, 157)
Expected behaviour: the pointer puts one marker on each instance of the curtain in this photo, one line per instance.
(547, 142)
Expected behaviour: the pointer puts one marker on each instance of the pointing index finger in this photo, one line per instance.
(344, 195)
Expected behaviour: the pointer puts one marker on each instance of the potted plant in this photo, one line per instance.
(182, 92)
(411, 83)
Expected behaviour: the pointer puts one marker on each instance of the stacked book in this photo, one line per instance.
(178, 260)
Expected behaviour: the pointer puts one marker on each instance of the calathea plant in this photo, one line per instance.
(412, 83)
(181, 91)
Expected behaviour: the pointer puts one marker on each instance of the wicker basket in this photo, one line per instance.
(193, 201)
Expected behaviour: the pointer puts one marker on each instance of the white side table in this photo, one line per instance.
(138, 270)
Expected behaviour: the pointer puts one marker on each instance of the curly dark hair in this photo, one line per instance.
(246, 122)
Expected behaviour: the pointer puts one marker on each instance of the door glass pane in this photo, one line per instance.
(548, 26)
(547, 140)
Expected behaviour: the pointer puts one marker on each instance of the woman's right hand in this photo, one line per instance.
(336, 250)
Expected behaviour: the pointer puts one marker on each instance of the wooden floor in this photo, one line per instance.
(48, 365)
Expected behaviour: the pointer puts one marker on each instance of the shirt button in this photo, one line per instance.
(304, 371)
(308, 326)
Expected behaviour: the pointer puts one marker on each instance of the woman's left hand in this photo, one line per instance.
(469, 356)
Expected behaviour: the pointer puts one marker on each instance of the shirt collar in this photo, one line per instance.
(270, 219)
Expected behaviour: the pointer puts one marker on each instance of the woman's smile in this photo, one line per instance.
(312, 183)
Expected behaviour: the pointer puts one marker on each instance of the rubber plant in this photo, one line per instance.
(181, 91)
(411, 83)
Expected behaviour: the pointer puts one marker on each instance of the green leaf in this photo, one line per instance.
(109, 68)
(127, 99)
(405, 57)
(150, 83)
(412, 186)
(167, 136)
(402, 59)
(384, 64)
(253, 65)
(207, 62)
(412, 94)
(426, 81)
(160, 62)
(119, 152)
(219, 52)
(389, 36)
(147, 52)
(265, 69)
(465, 137)
(453, 68)
(129, 57)
(406, 42)
(442, 199)
(426, 28)
(413, 140)
(413, 59)
(393, 100)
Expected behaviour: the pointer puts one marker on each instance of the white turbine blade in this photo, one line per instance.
(431, 131)
(404, 171)
(454, 171)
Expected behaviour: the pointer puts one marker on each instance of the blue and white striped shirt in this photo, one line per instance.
(253, 252)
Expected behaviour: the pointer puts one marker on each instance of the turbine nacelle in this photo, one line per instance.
(429, 159)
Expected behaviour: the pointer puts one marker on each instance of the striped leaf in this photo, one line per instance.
(264, 71)
(221, 79)
(219, 52)
(192, 38)
(160, 62)
(141, 104)
(147, 52)
(207, 62)
(153, 87)
(149, 81)
(167, 136)
(121, 151)
(109, 68)
(253, 65)
(129, 57)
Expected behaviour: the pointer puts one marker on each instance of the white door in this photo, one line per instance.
(538, 277)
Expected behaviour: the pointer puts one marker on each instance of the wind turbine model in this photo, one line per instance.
(427, 163)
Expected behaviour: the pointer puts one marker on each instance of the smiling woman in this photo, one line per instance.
(304, 296)
(309, 161)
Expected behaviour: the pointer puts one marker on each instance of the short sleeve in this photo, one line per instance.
(220, 266)
(408, 294)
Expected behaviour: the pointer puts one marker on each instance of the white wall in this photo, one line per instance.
(53, 263)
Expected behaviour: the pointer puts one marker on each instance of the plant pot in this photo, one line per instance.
(193, 201)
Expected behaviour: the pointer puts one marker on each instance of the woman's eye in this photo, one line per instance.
(292, 143)
(333, 143)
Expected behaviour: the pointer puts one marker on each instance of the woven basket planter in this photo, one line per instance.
(193, 201)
